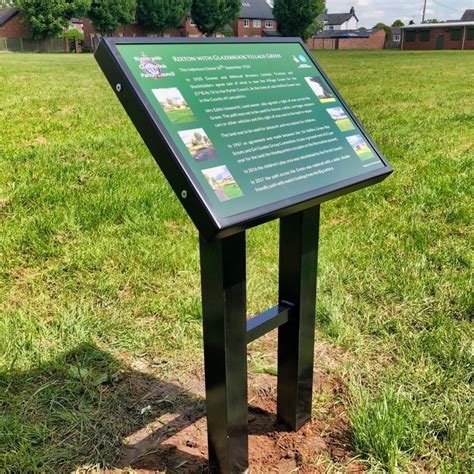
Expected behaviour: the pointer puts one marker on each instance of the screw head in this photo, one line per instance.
(118, 87)
(184, 194)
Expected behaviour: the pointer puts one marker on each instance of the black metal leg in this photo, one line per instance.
(299, 234)
(223, 283)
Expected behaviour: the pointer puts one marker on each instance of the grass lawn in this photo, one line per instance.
(232, 191)
(181, 116)
(99, 267)
(365, 153)
(345, 125)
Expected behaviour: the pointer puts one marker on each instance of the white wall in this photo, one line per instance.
(350, 25)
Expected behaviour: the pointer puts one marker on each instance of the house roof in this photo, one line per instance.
(337, 18)
(468, 15)
(448, 24)
(271, 33)
(258, 9)
(6, 14)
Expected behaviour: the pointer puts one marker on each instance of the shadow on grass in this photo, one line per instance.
(85, 409)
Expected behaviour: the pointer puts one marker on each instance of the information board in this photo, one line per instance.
(254, 127)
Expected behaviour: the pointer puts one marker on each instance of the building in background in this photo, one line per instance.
(468, 16)
(396, 38)
(15, 35)
(92, 37)
(339, 21)
(256, 19)
(430, 36)
(340, 32)
(12, 24)
(348, 39)
(76, 24)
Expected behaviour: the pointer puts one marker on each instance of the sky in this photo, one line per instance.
(371, 12)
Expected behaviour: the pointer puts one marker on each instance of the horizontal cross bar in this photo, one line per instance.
(267, 321)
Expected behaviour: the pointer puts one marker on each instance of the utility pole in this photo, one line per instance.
(424, 12)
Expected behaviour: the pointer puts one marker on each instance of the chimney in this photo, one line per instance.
(352, 11)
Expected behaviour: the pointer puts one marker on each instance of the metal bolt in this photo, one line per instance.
(118, 87)
(184, 194)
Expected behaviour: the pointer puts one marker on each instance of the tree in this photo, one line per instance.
(398, 24)
(48, 18)
(211, 16)
(433, 20)
(108, 15)
(162, 14)
(197, 138)
(387, 29)
(295, 17)
(317, 26)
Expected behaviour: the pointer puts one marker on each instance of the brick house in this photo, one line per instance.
(348, 39)
(449, 35)
(92, 37)
(12, 24)
(15, 35)
(256, 19)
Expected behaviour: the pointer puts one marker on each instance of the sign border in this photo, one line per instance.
(173, 164)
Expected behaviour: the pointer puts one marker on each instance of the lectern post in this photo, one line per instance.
(299, 234)
(225, 351)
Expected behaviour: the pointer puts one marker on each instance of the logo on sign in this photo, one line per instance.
(301, 60)
(152, 68)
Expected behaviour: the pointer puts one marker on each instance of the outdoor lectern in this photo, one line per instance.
(246, 131)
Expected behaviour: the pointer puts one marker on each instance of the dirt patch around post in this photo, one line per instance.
(176, 441)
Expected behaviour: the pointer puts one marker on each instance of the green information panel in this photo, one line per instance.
(255, 126)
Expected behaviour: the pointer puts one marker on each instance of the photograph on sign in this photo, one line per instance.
(256, 126)
(174, 105)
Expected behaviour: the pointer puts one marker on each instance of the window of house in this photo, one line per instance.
(268, 23)
(410, 36)
(331, 27)
(470, 34)
(246, 23)
(456, 34)
(191, 22)
(425, 35)
(257, 23)
(396, 37)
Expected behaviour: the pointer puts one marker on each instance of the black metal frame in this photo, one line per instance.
(223, 274)
(174, 165)
(227, 333)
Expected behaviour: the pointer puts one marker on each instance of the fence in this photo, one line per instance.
(48, 45)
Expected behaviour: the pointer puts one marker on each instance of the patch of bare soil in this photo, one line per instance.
(176, 441)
